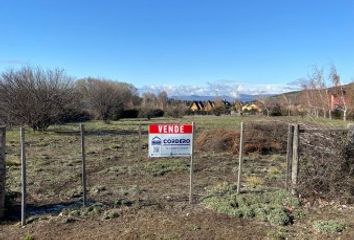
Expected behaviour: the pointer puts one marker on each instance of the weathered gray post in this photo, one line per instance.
(191, 167)
(240, 159)
(351, 139)
(23, 177)
(289, 154)
(83, 164)
(139, 143)
(2, 170)
(295, 162)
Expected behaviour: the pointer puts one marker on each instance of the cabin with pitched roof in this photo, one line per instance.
(209, 106)
(196, 106)
(251, 108)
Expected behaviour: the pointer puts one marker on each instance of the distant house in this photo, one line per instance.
(196, 106)
(237, 106)
(227, 104)
(209, 106)
(251, 108)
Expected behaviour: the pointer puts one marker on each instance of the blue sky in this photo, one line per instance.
(248, 46)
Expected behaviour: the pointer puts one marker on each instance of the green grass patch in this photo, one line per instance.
(272, 207)
(162, 167)
(328, 226)
(28, 237)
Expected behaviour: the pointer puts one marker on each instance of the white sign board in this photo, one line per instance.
(170, 140)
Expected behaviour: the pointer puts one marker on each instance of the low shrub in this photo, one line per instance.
(272, 207)
(28, 237)
(150, 113)
(273, 173)
(277, 234)
(161, 168)
(278, 216)
(258, 139)
(254, 181)
(130, 113)
(329, 226)
(71, 115)
(217, 140)
(326, 166)
(176, 110)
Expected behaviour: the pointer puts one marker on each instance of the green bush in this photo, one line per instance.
(269, 206)
(278, 216)
(261, 213)
(329, 226)
(276, 234)
(161, 168)
(28, 237)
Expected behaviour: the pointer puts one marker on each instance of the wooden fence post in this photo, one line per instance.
(23, 178)
(351, 138)
(2, 170)
(240, 159)
(289, 154)
(295, 162)
(83, 164)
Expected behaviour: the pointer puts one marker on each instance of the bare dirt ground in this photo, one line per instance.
(133, 197)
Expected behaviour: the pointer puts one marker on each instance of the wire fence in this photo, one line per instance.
(326, 165)
(119, 172)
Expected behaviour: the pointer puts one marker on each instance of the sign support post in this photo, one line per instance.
(240, 159)
(23, 178)
(83, 164)
(191, 168)
(173, 140)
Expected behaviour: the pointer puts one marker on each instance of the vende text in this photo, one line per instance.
(171, 128)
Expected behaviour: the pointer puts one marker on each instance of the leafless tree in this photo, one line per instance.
(148, 104)
(219, 107)
(286, 103)
(176, 109)
(106, 99)
(266, 103)
(162, 100)
(334, 76)
(320, 94)
(34, 96)
(315, 93)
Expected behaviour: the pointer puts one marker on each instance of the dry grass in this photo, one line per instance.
(156, 189)
(258, 138)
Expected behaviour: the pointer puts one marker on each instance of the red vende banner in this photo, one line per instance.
(171, 128)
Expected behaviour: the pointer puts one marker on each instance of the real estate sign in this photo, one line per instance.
(170, 140)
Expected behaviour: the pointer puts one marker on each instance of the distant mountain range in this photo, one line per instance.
(242, 97)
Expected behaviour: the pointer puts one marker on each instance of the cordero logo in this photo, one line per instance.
(176, 141)
(156, 141)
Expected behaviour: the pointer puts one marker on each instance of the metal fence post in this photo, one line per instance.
(191, 167)
(289, 154)
(23, 177)
(83, 164)
(139, 143)
(295, 162)
(240, 159)
(2, 170)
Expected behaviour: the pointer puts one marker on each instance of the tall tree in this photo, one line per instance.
(34, 96)
(340, 92)
(106, 99)
(162, 100)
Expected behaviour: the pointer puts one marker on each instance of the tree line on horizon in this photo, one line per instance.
(321, 95)
(39, 97)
